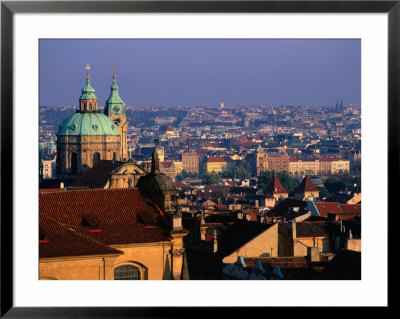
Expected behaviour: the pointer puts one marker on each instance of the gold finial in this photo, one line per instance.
(130, 149)
(88, 69)
(114, 70)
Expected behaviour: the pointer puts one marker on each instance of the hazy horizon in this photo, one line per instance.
(204, 72)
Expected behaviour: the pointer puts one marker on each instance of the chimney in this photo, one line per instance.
(294, 232)
(203, 232)
(215, 241)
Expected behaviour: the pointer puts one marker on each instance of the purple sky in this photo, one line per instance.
(204, 72)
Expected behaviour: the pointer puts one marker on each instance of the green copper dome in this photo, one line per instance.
(93, 123)
(114, 104)
(88, 92)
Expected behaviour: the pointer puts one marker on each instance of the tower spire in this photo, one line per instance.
(114, 104)
(87, 73)
(88, 98)
(155, 163)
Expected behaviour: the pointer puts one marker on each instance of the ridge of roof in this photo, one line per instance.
(306, 185)
(275, 186)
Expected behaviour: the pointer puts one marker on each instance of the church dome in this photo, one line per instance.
(92, 123)
(156, 182)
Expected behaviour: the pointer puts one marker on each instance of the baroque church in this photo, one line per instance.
(89, 136)
(116, 221)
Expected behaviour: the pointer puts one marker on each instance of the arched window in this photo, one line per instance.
(74, 163)
(96, 158)
(90, 106)
(126, 272)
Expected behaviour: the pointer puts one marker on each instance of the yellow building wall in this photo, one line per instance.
(353, 244)
(217, 167)
(77, 268)
(153, 260)
(178, 167)
(300, 245)
(264, 245)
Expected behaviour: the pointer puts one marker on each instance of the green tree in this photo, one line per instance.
(246, 165)
(239, 172)
(323, 193)
(211, 178)
(337, 183)
(242, 173)
(265, 178)
(287, 181)
(334, 184)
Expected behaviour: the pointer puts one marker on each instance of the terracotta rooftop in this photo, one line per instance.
(124, 216)
(350, 211)
(306, 185)
(215, 159)
(275, 187)
(56, 239)
(326, 208)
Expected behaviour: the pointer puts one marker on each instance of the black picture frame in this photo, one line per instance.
(9, 8)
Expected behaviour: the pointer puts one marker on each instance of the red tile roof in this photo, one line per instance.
(350, 211)
(61, 240)
(166, 164)
(214, 159)
(181, 185)
(325, 208)
(123, 214)
(306, 186)
(330, 159)
(275, 187)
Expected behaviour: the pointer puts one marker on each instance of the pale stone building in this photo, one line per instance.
(190, 162)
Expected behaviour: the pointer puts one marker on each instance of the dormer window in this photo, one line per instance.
(91, 221)
(42, 235)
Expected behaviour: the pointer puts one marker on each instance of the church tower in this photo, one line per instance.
(115, 110)
(86, 137)
(159, 148)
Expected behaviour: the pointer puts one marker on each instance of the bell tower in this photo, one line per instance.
(88, 99)
(115, 110)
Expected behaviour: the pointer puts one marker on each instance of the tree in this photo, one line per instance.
(242, 173)
(239, 172)
(337, 183)
(265, 178)
(211, 178)
(323, 193)
(246, 165)
(334, 184)
(287, 181)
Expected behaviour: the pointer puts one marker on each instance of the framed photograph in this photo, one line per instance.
(227, 138)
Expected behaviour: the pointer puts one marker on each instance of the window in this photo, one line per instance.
(74, 163)
(96, 158)
(126, 272)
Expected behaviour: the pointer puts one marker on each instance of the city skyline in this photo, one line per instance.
(204, 72)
